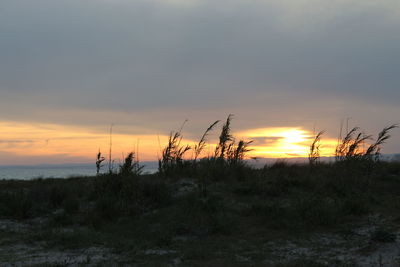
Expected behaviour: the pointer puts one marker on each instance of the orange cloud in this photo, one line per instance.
(50, 140)
(30, 142)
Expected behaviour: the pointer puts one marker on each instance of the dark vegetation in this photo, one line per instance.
(210, 202)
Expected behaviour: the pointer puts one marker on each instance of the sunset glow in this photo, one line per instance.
(50, 143)
(282, 68)
(199, 132)
(36, 143)
(284, 142)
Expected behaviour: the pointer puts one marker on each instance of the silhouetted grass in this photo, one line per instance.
(349, 148)
(130, 166)
(136, 213)
(99, 162)
(224, 139)
(218, 205)
(171, 161)
(314, 155)
(202, 143)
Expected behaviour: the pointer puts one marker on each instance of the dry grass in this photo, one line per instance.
(351, 146)
(172, 154)
(198, 148)
(224, 138)
(130, 166)
(375, 148)
(99, 161)
(314, 155)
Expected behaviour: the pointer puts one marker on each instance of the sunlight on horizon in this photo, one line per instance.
(281, 142)
(36, 143)
(28, 140)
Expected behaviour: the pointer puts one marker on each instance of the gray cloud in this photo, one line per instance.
(152, 64)
(267, 140)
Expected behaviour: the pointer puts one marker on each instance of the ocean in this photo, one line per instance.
(71, 170)
(58, 171)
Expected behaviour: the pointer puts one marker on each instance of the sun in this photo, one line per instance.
(279, 142)
(285, 142)
(294, 136)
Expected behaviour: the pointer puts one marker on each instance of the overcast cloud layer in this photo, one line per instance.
(150, 64)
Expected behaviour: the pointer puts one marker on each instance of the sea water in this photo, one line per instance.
(58, 171)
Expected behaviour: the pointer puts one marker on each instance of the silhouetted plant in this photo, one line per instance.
(99, 161)
(383, 235)
(202, 143)
(314, 155)
(354, 150)
(110, 160)
(224, 139)
(236, 153)
(130, 166)
(349, 147)
(373, 151)
(172, 154)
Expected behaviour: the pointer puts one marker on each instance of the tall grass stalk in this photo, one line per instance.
(130, 166)
(350, 146)
(99, 161)
(110, 161)
(224, 138)
(236, 154)
(199, 147)
(354, 149)
(375, 148)
(172, 154)
(314, 155)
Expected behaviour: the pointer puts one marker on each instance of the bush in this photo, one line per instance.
(204, 216)
(316, 211)
(15, 204)
(356, 205)
(71, 205)
(117, 195)
(57, 196)
(383, 235)
(107, 207)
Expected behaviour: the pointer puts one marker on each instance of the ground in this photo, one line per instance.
(349, 247)
(286, 217)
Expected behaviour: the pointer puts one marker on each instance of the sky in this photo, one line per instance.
(69, 69)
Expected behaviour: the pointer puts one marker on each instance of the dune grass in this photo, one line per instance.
(350, 147)
(207, 209)
(152, 212)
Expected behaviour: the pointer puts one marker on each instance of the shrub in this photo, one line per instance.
(57, 196)
(204, 216)
(71, 205)
(316, 211)
(383, 235)
(117, 195)
(15, 204)
(107, 207)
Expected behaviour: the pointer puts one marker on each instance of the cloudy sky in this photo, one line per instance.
(71, 68)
